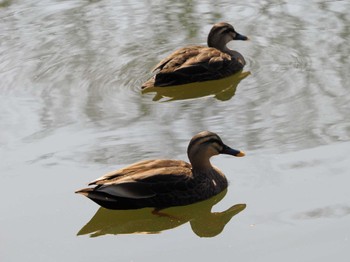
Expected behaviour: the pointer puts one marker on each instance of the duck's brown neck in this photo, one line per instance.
(201, 165)
(227, 50)
(218, 43)
(200, 162)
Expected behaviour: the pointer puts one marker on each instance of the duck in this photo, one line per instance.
(200, 63)
(163, 183)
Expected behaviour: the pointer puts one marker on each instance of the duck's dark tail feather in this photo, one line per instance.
(108, 201)
(84, 191)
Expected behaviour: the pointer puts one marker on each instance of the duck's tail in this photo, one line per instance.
(84, 191)
(148, 84)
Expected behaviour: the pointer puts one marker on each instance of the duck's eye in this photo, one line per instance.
(212, 141)
(215, 143)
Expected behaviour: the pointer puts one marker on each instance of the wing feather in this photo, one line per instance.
(143, 170)
(205, 58)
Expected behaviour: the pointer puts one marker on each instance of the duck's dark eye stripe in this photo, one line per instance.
(213, 140)
(215, 143)
(199, 140)
(228, 30)
(225, 31)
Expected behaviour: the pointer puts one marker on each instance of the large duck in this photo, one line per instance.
(200, 63)
(164, 183)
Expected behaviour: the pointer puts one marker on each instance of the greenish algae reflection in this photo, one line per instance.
(222, 89)
(203, 222)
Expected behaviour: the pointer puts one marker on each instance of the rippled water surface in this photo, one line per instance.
(71, 109)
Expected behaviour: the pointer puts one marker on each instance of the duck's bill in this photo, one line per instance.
(240, 37)
(233, 152)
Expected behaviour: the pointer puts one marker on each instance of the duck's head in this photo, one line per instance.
(206, 144)
(221, 34)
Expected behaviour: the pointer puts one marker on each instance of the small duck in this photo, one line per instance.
(164, 183)
(200, 63)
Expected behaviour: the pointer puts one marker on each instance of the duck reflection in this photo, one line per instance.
(204, 223)
(222, 89)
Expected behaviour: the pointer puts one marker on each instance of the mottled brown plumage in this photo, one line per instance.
(164, 183)
(200, 63)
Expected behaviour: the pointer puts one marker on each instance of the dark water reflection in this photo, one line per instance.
(223, 89)
(204, 223)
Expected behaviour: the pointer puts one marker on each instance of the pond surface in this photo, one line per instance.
(71, 109)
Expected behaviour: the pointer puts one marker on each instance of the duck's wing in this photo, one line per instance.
(129, 170)
(144, 179)
(192, 56)
(142, 167)
(177, 57)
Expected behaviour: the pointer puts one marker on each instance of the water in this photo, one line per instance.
(71, 109)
